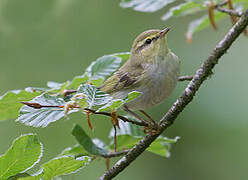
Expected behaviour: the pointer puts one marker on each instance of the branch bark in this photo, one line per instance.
(187, 96)
(185, 78)
(229, 11)
(116, 154)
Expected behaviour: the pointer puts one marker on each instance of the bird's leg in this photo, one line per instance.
(134, 114)
(146, 129)
(148, 116)
(151, 120)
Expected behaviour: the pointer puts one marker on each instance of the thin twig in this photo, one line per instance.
(39, 106)
(230, 6)
(229, 11)
(222, 4)
(120, 117)
(116, 154)
(185, 78)
(111, 154)
(186, 97)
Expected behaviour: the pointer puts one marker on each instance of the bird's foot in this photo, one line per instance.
(152, 128)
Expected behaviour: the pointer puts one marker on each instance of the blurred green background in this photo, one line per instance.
(55, 40)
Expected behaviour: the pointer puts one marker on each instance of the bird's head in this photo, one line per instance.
(150, 43)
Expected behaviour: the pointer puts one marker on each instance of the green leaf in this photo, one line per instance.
(79, 99)
(96, 72)
(128, 128)
(10, 103)
(162, 145)
(95, 147)
(63, 165)
(112, 105)
(132, 95)
(43, 116)
(35, 176)
(94, 96)
(124, 56)
(54, 85)
(77, 81)
(36, 89)
(29, 178)
(18, 176)
(75, 151)
(183, 9)
(97, 82)
(241, 2)
(115, 104)
(202, 23)
(103, 67)
(129, 134)
(24, 153)
(57, 87)
(145, 5)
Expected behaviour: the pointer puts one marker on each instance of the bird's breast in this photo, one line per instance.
(159, 82)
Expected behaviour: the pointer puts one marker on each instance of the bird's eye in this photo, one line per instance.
(148, 41)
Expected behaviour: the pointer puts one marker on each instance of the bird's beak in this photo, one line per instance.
(164, 32)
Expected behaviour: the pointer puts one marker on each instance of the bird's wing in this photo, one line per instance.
(124, 78)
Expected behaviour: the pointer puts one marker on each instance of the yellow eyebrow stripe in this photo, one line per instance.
(150, 37)
(143, 42)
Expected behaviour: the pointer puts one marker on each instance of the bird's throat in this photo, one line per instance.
(163, 50)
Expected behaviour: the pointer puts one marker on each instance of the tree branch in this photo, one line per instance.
(186, 97)
(116, 154)
(229, 11)
(110, 154)
(185, 78)
(222, 3)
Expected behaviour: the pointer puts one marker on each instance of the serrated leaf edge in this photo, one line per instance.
(41, 153)
(65, 156)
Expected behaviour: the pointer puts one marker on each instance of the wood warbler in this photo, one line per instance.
(152, 70)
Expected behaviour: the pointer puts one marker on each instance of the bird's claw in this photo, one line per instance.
(152, 129)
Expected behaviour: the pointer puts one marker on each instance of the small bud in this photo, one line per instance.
(33, 105)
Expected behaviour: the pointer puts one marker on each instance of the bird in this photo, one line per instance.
(152, 69)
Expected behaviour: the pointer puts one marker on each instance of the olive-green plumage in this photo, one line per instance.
(152, 69)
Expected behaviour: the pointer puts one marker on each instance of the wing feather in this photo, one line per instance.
(125, 78)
